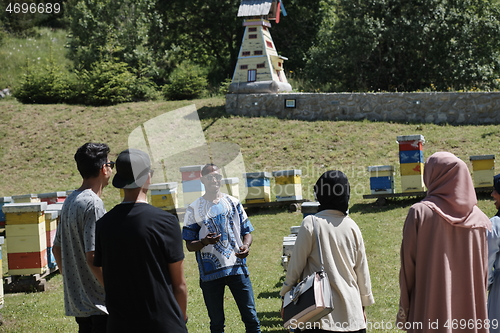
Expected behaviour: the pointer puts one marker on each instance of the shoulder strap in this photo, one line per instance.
(315, 227)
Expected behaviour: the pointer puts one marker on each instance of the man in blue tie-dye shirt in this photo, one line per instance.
(217, 228)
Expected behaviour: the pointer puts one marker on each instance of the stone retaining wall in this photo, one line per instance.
(436, 107)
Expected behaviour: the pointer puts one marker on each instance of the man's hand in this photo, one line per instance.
(244, 251)
(211, 238)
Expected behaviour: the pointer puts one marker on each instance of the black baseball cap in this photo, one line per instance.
(132, 169)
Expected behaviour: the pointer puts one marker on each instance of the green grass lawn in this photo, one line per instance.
(36, 156)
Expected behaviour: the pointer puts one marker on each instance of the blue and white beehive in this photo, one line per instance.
(381, 179)
(259, 187)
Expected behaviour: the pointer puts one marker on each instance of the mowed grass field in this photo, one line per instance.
(36, 156)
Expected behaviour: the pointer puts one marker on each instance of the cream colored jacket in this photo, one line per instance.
(345, 262)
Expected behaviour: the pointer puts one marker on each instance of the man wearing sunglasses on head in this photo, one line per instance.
(217, 228)
(74, 244)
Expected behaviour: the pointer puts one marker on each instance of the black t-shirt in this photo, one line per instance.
(134, 244)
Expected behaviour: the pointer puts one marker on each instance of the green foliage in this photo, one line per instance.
(107, 83)
(187, 81)
(49, 84)
(406, 46)
(224, 86)
(117, 31)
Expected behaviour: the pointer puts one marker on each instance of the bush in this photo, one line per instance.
(48, 85)
(187, 81)
(144, 89)
(107, 83)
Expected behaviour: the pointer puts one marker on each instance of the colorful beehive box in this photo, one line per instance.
(411, 158)
(413, 183)
(51, 218)
(309, 208)
(230, 186)
(192, 187)
(164, 195)
(23, 198)
(3, 201)
(25, 230)
(483, 170)
(288, 244)
(381, 179)
(1, 272)
(259, 187)
(53, 197)
(288, 185)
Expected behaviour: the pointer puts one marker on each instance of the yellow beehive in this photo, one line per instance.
(28, 243)
(413, 183)
(230, 186)
(164, 195)
(288, 185)
(482, 162)
(25, 213)
(483, 170)
(190, 197)
(411, 169)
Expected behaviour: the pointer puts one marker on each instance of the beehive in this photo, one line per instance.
(230, 186)
(25, 230)
(51, 218)
(3, 201)
(381, 179)
(23, 198)
(258, 186)
(53, 197)
(483, 170)
(309, 208)
(288, 185)
(164, 195)
(192, 187)
(411, 158)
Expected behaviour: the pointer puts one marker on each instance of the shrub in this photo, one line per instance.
(106, 83)
(187, 81)
(48, 85)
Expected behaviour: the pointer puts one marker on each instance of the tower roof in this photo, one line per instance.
(254, 7)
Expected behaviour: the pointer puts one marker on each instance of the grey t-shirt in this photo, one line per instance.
(83, 295)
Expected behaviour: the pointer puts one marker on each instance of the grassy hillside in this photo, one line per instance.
(36, 156)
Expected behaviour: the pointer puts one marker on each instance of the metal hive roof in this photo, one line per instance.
(254, 7)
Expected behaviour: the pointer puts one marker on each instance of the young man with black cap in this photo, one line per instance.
(74, 243)
(140, 250)
(217, 228)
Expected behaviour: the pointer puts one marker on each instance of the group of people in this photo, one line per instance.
(450, 256)
(123, 269)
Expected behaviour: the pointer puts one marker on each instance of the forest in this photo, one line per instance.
(184, 47)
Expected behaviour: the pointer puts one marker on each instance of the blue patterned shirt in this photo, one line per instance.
(227, 218)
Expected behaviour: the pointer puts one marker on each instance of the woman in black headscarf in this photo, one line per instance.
(494, 260)
(343, 253)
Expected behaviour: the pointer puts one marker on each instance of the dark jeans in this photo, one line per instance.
(241, 288)
(92, 324)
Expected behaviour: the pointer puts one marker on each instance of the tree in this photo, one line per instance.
(408, 45)
(104, 30)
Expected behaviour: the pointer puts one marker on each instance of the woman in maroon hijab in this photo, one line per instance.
(444, 254)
